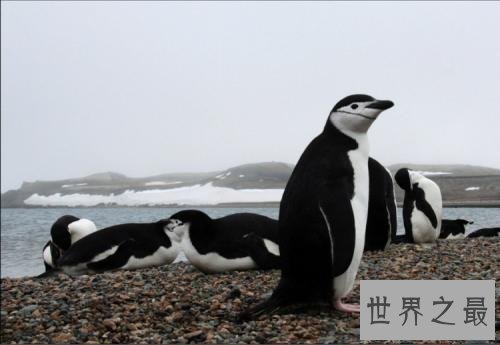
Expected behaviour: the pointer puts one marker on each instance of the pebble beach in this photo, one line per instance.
(178, 304)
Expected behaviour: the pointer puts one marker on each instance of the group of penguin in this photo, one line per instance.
(337, 203)
(239, 241)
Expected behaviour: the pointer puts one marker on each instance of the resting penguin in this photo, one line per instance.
(485, 232)
(64, 232)
(323, 213)
(124, 246)
(422, 206)
(453, 229)
(240, 241)
(381, 225)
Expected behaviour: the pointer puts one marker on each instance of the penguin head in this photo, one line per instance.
(356, 113)
(403, 179)
(182, 222)
(50, 255)
(464, 222)
(61, 236)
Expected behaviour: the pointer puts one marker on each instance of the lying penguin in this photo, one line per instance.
(64, 232)
(485, 232)
(124, 246)
(453, 229)
(422, 207)
(241, 241)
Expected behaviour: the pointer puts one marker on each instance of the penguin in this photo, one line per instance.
(453, 229)
(64, 232)
(485, 232)
(382, 221)
(241, 241)
(422, 206)
(124, 246)
(323, 214)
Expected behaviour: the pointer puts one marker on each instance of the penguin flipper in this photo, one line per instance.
(338, 216)
(425, 207)
(255, 247)
(116, 260)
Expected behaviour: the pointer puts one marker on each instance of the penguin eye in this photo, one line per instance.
(354, 106)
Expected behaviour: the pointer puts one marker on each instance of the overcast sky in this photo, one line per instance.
(149, 88)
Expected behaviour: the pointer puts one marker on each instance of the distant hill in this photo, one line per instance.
(248, 184)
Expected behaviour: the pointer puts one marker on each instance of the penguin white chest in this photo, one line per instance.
(213, 262)
(162, 256)
(421, 227)
(344, 283)
(80, 229)
(47, 256)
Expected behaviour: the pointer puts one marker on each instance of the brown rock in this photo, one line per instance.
(193, 334)
(109, 324)
(62, 337)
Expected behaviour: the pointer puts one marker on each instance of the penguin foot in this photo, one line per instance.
(345, 307)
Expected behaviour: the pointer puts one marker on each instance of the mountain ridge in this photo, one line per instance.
(460, 184)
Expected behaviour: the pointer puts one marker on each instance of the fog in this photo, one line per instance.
(150, 88)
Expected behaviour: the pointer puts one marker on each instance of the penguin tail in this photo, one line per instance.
(48, 274)
(288, 300)
(272, 305)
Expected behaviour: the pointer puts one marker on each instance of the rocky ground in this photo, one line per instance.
(178, 304)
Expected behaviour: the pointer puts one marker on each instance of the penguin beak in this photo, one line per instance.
(380, 105)
(172, 224)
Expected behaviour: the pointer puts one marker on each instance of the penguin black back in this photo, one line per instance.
(148, 235)
(224, 235)
(382, 220)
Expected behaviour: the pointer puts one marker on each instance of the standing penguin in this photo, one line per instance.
(64, 232)
(381, 225)
(240, 241)
(422, 206)
(323, 213)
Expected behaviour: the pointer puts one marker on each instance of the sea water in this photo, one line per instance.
(24, 231)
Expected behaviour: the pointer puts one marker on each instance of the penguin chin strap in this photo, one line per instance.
(345, 307)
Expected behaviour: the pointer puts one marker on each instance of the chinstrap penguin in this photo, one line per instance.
(422, 206)
(381, 225)
(453, 229)
(124, 246)
(64, 232)
(323, 213)
(240, 241)
(485, 232)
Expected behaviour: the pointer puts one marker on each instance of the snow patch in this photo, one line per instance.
(193, 195)
(73, 185)
(468, 189)
(428, 173)
(242, 176)
(160, 183)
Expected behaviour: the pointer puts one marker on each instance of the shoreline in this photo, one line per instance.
(470, 204)
(179, 304)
